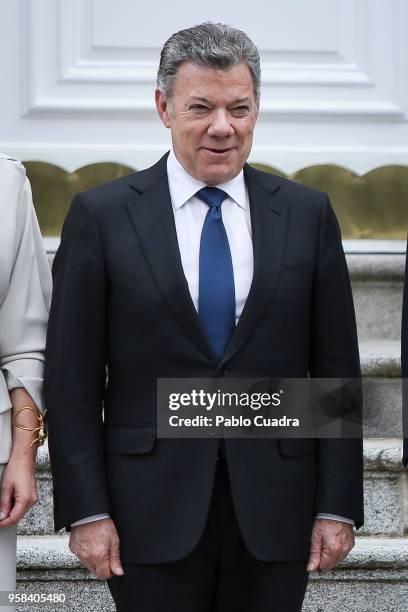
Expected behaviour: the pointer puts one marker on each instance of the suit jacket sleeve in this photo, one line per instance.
(335, 354)
(75, 369)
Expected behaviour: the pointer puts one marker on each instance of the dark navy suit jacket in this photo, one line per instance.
(121, 304)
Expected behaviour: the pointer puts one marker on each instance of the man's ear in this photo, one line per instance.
(162, 107)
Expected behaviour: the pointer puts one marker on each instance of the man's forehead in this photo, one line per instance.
(190, 71)
(202, 83)
(204, 99)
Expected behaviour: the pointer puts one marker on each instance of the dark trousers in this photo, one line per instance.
(220, 575)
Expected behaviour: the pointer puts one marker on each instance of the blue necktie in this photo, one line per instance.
(216, 299)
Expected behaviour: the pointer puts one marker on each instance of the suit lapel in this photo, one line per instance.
(269, 222)
(152, 217)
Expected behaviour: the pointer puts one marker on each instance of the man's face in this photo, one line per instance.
(212, 115)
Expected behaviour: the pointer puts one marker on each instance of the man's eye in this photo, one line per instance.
(240, 110)
(199, 108)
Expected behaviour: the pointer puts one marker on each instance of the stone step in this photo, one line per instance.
(386, 493)
(382, 388)
(385, 489)
(377, 283)
(46, 566)
(380, 358)
(373, 578)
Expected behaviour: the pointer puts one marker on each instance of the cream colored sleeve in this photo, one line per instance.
(25, 281)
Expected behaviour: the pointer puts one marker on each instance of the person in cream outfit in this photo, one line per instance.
(25, 292)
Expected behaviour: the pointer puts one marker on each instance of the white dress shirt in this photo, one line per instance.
(189, 214)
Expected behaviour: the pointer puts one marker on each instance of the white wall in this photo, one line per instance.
(77, 79)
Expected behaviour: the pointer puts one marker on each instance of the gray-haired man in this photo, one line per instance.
(199, 267)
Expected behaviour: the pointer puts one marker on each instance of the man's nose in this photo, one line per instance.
(221, 124)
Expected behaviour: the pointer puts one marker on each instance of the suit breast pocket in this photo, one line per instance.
(129, 440)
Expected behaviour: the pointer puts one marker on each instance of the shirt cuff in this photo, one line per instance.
(12, 382)
(90, 519)
(26, 373)
(335, 517)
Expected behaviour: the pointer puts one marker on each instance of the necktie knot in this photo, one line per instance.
(212, 196)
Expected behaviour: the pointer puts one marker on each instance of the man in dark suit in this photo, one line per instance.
(199, 266)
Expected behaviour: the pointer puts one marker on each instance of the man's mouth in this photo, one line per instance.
(218, 151)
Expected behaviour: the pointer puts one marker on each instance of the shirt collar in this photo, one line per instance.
(183, 186)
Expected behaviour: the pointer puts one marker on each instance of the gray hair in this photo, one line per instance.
(215, 45)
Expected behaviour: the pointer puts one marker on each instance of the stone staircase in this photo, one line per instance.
(374, 578)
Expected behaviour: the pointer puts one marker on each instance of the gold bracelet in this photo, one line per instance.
(41, 429)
